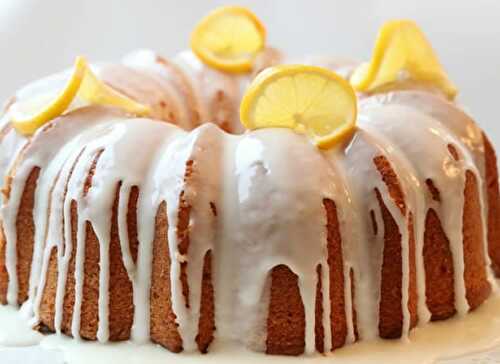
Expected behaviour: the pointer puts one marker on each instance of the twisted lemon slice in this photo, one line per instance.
(96, 92)
(402, 53)
(229, 38)
(307, 99)
(29, 114)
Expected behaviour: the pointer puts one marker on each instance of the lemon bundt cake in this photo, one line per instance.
(188, 231)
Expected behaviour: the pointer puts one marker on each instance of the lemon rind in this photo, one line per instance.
(84, 84)
(364, 76)
(28, 126)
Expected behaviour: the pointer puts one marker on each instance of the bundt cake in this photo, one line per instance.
(193, 230)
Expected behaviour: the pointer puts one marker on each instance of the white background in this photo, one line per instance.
(38, 37)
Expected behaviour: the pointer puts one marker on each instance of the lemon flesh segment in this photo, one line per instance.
(401, 53)
(310, 100)
(229, 39)
(96, 92)
(30, 114)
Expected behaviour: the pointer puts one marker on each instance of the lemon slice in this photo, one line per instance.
(32, 112)
(28, 115)
(402, 53)
(96, 92)
(229, 39)
(307, 99)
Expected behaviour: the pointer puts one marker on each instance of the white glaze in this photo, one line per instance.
(269, 210)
